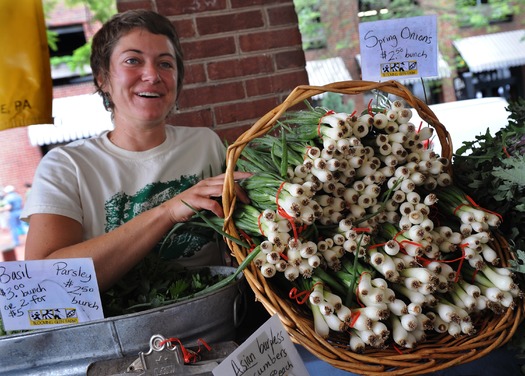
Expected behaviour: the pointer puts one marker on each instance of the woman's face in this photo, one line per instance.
(142, 78)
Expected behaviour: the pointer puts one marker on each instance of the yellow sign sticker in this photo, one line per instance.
(397, 69)
(53, 316)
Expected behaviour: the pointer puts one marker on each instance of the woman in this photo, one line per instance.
(114, 198)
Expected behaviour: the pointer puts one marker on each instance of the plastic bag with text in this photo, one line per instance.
(26, 93)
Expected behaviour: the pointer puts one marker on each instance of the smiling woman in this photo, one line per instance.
(115, 197)
(142, 85)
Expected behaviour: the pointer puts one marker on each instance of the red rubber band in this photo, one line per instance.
(189, 356)
(283, 212)
(398, 350)
(474, 275)
(469, 199)
(204, 343)
(370, 108)
(374, 246)
(248, 239)
(462, 259)
(301, 297)
(331, 112)
(353, 318)
(259, 224)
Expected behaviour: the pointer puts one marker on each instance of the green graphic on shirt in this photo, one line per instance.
(122, 207)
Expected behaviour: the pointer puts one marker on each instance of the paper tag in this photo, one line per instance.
(399, 48)
(48, 293)
(267, 352)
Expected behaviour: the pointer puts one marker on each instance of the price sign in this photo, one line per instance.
(47, 293)
(267, 352)
(399, 48)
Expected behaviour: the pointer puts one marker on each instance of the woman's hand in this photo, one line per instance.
(202, 196)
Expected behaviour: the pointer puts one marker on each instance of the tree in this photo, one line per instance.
(99, 11)
(396, 9)
(310, 25)
(483, 13)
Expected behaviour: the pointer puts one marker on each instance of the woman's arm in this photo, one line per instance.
(116, 252)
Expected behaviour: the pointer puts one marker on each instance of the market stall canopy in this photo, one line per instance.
(75, 117)
(326, 71)
(443, 71)
(466, 119)
(493, 51)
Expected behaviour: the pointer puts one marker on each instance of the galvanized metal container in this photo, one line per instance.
(69, 350)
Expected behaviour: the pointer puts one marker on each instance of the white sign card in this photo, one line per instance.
(399, 48)
(267, 352)
(47, 293)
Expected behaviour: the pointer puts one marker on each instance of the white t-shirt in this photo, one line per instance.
(103, 186)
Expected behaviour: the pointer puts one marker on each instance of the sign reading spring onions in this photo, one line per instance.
(47, 293)
(269, 351)
(399, 48)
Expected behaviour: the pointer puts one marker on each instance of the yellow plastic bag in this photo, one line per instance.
(26, 91)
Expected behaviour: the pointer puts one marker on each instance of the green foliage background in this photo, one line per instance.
(99, 10)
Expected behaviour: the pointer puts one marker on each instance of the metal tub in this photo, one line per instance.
(69, 350)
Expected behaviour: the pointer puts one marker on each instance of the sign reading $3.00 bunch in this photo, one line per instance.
(46, 293)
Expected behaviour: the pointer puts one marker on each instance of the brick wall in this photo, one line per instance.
(243, 57)
(72, 90)
(18, 158)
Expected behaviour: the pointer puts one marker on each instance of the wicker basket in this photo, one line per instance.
(439, 351)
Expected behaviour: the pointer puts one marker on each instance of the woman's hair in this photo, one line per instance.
(120, 24)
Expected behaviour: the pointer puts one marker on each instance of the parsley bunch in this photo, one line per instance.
(155, 283)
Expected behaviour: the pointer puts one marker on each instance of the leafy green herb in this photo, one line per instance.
(493, 174)
(168, 284)
(512, 171)
(491, 169)
(518, 265)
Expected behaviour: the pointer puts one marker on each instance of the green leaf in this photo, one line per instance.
(178, 288)
(513, 170)
(518, 265)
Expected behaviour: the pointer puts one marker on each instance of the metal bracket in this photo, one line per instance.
(164, 358)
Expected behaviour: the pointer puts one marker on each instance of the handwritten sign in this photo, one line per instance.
(48, 293)
(399, 48)
(267, 352)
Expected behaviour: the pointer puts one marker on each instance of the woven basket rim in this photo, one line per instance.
(437, 353)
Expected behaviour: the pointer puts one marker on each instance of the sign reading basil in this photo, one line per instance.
(47, 293)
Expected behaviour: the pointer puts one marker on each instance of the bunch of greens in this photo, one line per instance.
(157, 281)
(491, 169)
(154, 283)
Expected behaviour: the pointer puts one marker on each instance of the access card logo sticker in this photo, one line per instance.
(403, 68)
(53, 316)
